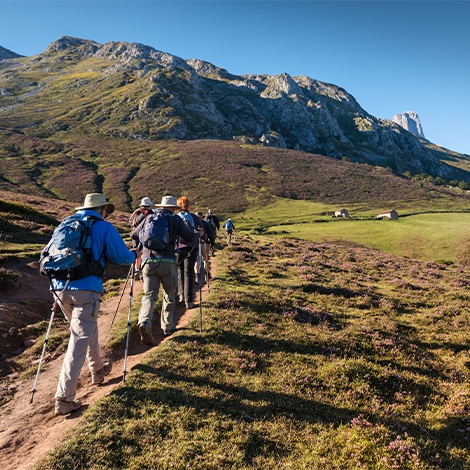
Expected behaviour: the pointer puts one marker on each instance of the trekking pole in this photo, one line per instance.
(208, 273)
(43, 351)
(129, 321)
(120, 298)
(200, 285)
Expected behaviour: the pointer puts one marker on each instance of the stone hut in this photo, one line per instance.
(392, 214)
(342, 213)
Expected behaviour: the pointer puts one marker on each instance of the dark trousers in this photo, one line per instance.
(186, 259)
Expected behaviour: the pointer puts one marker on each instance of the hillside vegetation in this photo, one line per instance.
(227, 176)
(313, 355)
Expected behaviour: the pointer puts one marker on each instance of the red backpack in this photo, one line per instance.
(139, 215)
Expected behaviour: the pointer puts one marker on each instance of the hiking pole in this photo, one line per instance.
(129, 320)
(120, 298)
(43, 351)
(200, 285)
(208, 271)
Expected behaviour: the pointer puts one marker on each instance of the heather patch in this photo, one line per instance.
(313, 355)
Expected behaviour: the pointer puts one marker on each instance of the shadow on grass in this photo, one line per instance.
(237, 402)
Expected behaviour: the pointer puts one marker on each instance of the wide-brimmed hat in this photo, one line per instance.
(146, 202)
(168, 201)
(95, 200)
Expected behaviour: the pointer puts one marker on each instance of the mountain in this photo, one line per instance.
(7, 54)
(409, 120)
(132, 91)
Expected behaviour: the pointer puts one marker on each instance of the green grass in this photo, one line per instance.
(437, 236)
(313, 355)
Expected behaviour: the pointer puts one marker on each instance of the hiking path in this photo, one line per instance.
(29, 430)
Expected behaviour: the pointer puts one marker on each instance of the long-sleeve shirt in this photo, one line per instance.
(106, 242)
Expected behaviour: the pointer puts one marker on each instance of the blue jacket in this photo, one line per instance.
(107, 241)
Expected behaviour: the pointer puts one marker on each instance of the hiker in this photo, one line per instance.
(187, 254)
(136, 218)
(159, 266)
(79, 299)
(229, 228)
(141, 212)
(213, 220)
(208, 243)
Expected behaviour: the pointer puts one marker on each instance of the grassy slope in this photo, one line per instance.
(319, 356)
(314, 355)
(226, 176)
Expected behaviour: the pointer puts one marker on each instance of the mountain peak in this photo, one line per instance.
(409, 120)
(7, 54)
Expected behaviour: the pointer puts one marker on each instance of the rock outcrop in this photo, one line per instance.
(409, 120)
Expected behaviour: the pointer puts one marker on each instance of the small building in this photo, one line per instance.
(392, 214)
(342, 213)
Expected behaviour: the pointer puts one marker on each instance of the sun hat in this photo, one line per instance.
(210, 211)
(146, 202)
(95, 200)
(168, 201)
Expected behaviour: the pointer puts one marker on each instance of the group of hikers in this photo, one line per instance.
(167, 238)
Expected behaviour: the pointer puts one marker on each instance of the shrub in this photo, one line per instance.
(8, 279)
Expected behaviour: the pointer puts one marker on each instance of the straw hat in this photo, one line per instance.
(146, 202)
(168, 201)
(95, 200)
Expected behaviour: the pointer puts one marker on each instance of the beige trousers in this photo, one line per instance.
(155, 273)
(81, 309)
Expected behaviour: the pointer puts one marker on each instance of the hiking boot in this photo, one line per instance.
(64, 407)
(190, 305)
(169, 332)
(146, 335)
(98, 376)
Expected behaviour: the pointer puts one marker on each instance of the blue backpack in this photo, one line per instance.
(188, 220)
(68, 254)
(155, 234)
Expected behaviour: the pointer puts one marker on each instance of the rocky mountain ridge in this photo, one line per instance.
(130, 90)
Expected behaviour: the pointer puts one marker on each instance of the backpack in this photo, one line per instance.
(210, 219)
(188, 220)
(68, 254)
(229, 225)
(139, 215)
(155, 234)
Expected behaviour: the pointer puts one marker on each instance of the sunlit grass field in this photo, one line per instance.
(431, 236)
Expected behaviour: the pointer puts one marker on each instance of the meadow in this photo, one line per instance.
(313, 355)
(423, 231)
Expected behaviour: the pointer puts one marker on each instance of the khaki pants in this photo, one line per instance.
(154, 274)
(81, 309)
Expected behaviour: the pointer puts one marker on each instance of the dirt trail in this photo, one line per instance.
(29, 431)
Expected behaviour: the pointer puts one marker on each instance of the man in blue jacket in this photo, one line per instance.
(80, 301)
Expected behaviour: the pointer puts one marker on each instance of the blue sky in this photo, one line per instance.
(392, 56)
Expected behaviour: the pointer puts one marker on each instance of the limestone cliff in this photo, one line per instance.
(409, 120)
